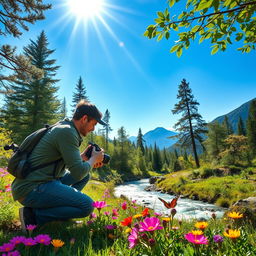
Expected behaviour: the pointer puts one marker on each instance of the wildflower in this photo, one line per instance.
(173, 212)
(93, 215)
(151, 241)
(175, 228)
(235, 215)
(110, 226)
(7, 247)
(128, 230)
(124, 205)
(232, 233)
(17, 239)
(43, 239)
(127, 221)
(13, 253)
(133, 238)
(30, 227)
(136, 216)
(197, 232)
(145, 212)
(29, 241)
(150, 224)
(106, 194)
(201, 225)
(218, 238)
(99, 205)
(196, 239)
(107, 213)
(57, 243)
(8, 188)
(166, 219)
(115, 212)
(89, 222)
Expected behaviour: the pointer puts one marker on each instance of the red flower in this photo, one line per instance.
(145, 212)
(127, 221)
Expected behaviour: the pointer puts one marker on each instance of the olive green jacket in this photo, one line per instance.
(60, 142)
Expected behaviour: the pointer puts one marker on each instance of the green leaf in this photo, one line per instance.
(166, 12)
(195, 28)
(160, 37)
(174, 48)
(167, 35)
(201, 39)
(179, 52)
(204, 5)
(160, 15)
(171, 3)
(215, 49)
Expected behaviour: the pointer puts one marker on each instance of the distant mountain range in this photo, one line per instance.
(160, 135)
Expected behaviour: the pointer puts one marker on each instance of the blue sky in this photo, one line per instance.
(133, 77)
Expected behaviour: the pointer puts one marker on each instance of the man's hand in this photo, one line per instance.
(98, 165)
(83, 156)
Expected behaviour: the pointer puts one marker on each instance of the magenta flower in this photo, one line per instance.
(107, 213)
(218, 238)
(110, 226)
(115, 212)
(43, 239)
(124, 205)
(196, 239)
(14, 253)
(150, 224)
(133, 238)
(17, 240)
(151, 241)
(30, 227)
(89, 222)
(29, 241)
(93, 215)
(99, 205)
(7, 247)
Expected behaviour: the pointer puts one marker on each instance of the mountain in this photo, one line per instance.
(159, 136)
(234, 115)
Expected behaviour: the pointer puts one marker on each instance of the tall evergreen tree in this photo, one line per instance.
(106, 129)
(34, 104)
(157, 161)
(227, 126)
(240, 127)
(63, 110)
(140, 141)
(79, 94)
(191, 125)
(251, 128)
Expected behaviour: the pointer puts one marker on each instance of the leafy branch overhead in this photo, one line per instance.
(221, 21)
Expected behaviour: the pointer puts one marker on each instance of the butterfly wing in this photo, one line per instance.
(170, 205)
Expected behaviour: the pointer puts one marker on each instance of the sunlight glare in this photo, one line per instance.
(85, 9)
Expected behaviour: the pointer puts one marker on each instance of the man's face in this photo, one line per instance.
(87, 126)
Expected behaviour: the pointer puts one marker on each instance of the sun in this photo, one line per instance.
(85, 9)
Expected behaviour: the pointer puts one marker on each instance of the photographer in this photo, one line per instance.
(54, 192)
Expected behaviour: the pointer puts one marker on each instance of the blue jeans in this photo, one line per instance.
(59, 200)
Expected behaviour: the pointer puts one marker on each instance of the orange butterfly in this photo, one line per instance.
(171, 204)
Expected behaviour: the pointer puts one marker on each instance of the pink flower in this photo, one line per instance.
(43, 239)
(157, 214)
(133, 238)
(150, 224)
(30, 227)
(17, 239)
(124, 205)
(115, 212)
(99, 205)
(196, 239)
(14, 253)
(106, 213)
(93, 215)
(7, 247)
(8, 188)
(29, 241)
(89, 222)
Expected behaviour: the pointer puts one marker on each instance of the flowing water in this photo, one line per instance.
(186, 208)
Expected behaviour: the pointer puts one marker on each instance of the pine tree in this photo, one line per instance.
(227, 126)
(63, 111)
(157, 161)
(140, 141)
(251, 128)
(191, 125)
(106, 129)
(240, 127)
(34, 104)
(79, 94)
(14, 17)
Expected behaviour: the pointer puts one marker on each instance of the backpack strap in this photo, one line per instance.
(55, 162)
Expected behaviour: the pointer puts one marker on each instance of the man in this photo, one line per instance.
(51, 192)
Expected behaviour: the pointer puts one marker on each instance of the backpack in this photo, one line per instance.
(19, 165)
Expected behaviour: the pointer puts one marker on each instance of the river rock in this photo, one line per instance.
(150, 188)
(249, 202)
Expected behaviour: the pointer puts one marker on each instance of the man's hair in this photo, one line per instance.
(84, 107)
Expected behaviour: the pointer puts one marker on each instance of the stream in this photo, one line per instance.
(186, 208)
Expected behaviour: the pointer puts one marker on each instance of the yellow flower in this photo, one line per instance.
(57, 243)
(201, 225)
(128, 230)
(137, 216)
(197, 232)
(235, 215)
(232, 233)
(167, 219)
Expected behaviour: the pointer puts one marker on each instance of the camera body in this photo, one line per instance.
(88, 153)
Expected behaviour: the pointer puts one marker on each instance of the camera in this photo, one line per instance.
(88, 153)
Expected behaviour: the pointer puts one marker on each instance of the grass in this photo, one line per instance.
(94, 239)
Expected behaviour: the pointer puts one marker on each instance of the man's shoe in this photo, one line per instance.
(27, 217)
